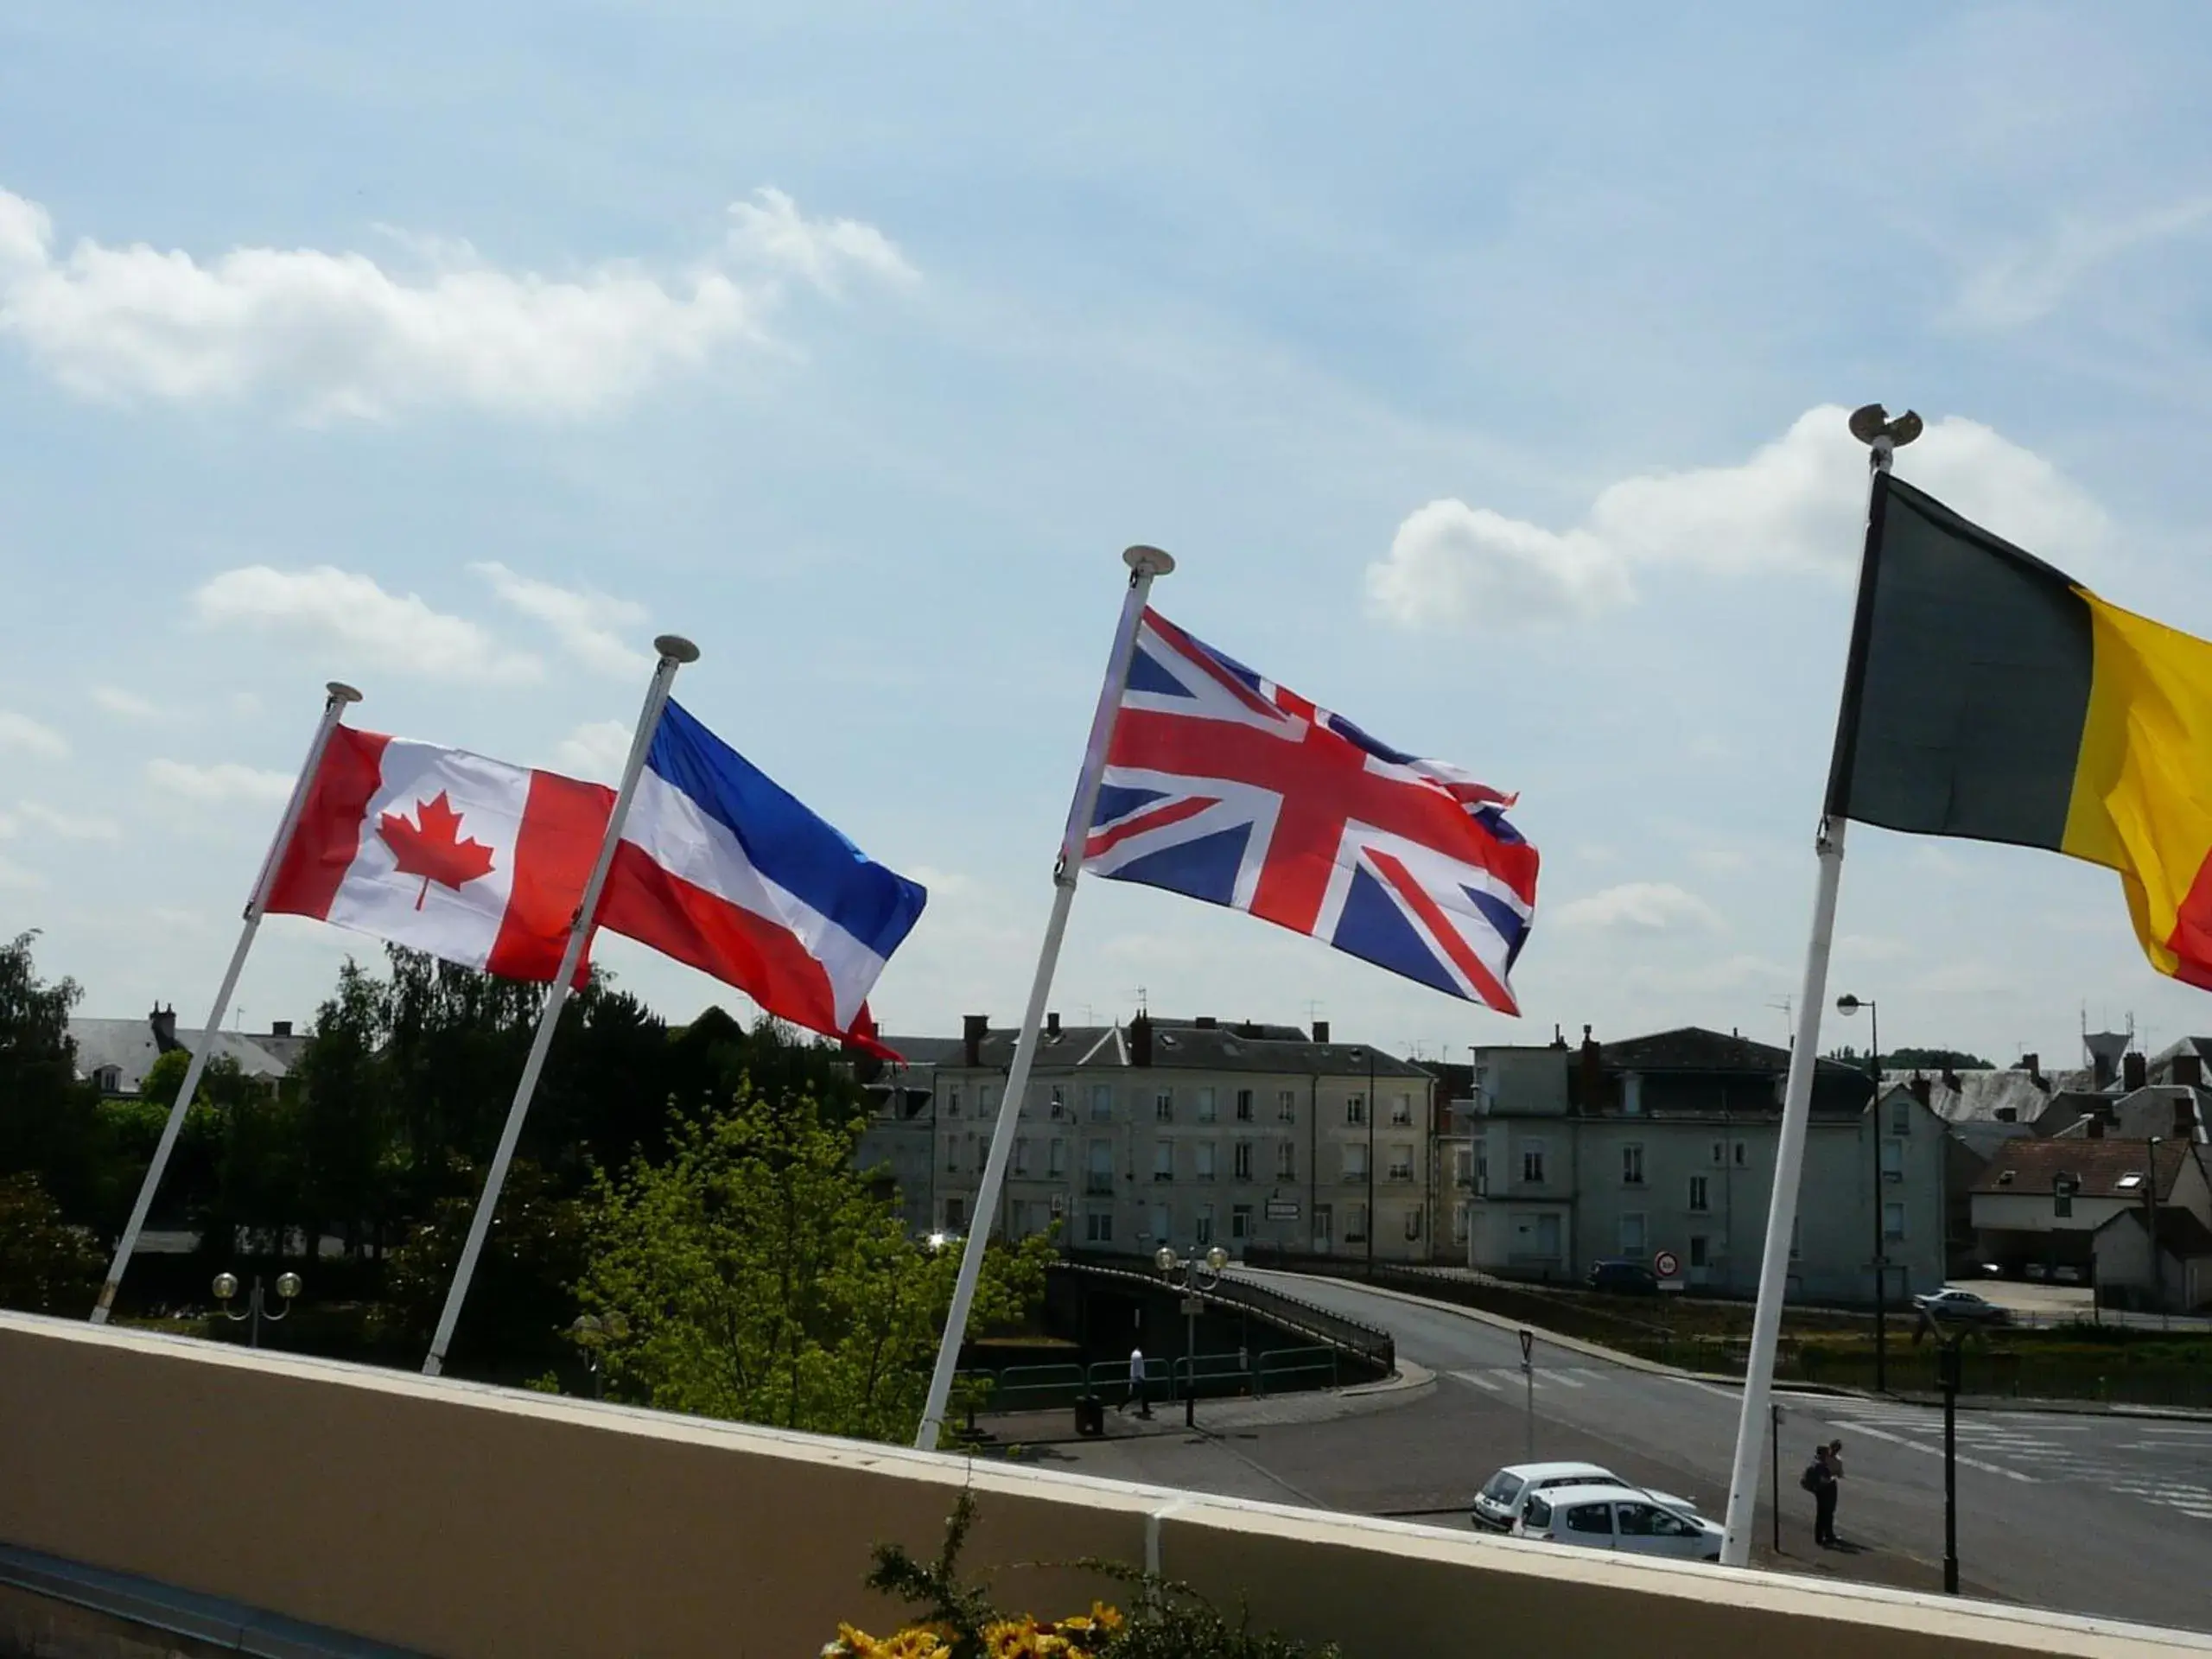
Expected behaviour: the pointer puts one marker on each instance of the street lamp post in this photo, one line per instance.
(1192, 1276)
(592, 1332)
(1947, 1363)
(1848, 1004)
(226, 1290)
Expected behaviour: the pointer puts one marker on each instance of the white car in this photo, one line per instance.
(1613, 1517)
(1498, 1505)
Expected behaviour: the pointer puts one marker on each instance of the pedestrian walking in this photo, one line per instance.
(1819, 1479)
(1136, 1396)
(1835, 1469)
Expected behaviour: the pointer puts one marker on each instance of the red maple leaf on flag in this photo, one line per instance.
(432, 849)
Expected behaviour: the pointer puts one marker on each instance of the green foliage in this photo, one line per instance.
(761, 1278)
(520, 1297)
(1160, 1619)
(45, 1265)
(1933, 1060)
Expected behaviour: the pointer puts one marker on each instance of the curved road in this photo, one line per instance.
(2081, 1513)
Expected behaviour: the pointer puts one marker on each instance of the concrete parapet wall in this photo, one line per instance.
(464, 1521)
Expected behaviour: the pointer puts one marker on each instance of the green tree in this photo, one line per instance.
(50, 1121)
(759, 1277)
(47, 1266)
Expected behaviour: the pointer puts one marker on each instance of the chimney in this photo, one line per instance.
(1559, 1037)
(2184, 1119)
(1205, 1022)
(1321, 1030)
(1052, 1025)
(2032, 1065)
(2094, 1127)
(163, 1021)
(1921, 1087)
(2006, 1114)
(1248, 1028)
(1593, 1073)
(1140, 1040)
(280, 1027)
(2188, 1070)
(1951, 1080)
(2134, 1071)
(973, 1028)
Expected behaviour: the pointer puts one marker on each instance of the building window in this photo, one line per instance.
(1632, 1235)
(1354, 1112)
(1459, 1221)
(1163, 1105)
(1401, 1109)
(1098, 1171)
(1287, 1161)
(1205, 1105)
(1102, 1102)
(1243, 1160)
(1323, 1221)
(1700, 1193)
(1202, 1155)
(1632, 1095)
(1482, 1169)
(1402, 1163)
(1020, 1155)
(1720, 1154)
(1355, 1223)
(1532, 1162)
(1204, 1234)
(1163, 1160)
(1059, 1098)
(1893, 1221)
(1632, 1166)
(987, 1100)
(1354, 1164)
(1098, 1226)
(1698, 1247)
(952, 1154)
(1243, 1105)
(1412, 1223)
(1240, 1221)
(952, 1100)
(1463, 1165)
(956, 1212)
(1893, 1160)
(1901, 1116)
(1739, 1154)
(2062, 1198)
(1057, 1158)
(1163, 1223)
(1286, 1105)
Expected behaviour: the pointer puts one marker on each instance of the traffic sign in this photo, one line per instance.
(1528, 1344)
(1666, 1264)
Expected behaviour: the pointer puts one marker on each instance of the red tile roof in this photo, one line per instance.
(2025, 1163)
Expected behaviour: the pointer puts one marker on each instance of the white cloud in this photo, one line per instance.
(349, 613)
(2030, 280)
(590, 624)
(1796, 506)
(20, 735)
(223, 782)
(70, 826)
(1741, 972)
(339, 334)
(594, 751)
(126, 705)
(14, 878)
(1872, 947)
(1643, 908)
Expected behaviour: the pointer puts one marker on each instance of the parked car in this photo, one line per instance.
(2066, 1273)
(1960, 1308)
(1623, 1279)
(1618, 1517)
(2035, 1271)
(1498, 1505)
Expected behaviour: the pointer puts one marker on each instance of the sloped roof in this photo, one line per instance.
(2180, 1232)
(2099, 1165)
(1982, 1093)
(1692, 1048)
(1178, 1045)
(129, 1046)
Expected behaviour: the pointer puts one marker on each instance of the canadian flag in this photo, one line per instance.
(484, 864)
(472, 860)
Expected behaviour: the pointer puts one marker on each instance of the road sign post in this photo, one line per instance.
(1528, 1380)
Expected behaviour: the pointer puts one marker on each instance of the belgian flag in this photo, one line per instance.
(1989, 695)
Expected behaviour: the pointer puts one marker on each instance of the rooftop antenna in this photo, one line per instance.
(1142, 1007)
(1787, 1006)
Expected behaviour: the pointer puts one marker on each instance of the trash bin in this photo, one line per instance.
(1091, 1415)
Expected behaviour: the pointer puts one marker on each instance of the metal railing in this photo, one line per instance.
(1369, 1343)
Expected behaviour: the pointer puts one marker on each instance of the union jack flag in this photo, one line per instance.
(1232, 789)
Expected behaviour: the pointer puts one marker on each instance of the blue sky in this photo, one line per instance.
(1483, 365)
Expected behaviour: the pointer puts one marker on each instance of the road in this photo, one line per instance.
(2086, 1514)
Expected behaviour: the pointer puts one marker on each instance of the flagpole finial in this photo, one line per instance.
(1871, 425)
(676, 648)
(1147, 561)
(341, 692)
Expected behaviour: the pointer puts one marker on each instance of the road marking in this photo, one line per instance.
(1869, 1430)
(1478, 1380)
(1560, 1377)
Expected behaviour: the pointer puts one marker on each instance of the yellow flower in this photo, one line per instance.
(1108, 1619)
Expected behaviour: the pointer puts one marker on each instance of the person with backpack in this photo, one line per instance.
(1819, 1479)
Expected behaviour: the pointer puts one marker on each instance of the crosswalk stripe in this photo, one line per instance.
(1477, 1379)
(1562, 1377)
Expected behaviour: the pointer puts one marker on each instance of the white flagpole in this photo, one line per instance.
(1797, 1114)
(1145, 563)
(675, 651)
(333, 708)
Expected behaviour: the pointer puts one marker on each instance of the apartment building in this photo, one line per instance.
(1189, 1132)
(1561, 1157)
